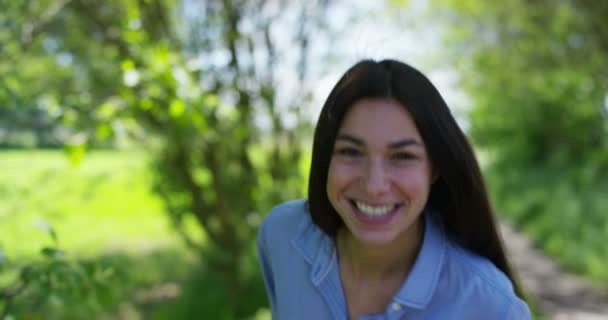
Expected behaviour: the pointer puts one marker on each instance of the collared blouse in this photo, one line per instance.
(300, 266)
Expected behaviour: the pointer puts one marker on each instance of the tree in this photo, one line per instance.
(536, 72)
(195, 82)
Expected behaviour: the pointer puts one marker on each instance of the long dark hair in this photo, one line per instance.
(459, 193)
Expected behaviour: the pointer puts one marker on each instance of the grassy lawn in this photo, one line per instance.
(103, 211)
(101, 205)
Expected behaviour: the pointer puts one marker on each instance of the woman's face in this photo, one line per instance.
(380, 174)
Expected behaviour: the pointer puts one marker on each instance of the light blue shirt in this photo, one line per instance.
(300, 267)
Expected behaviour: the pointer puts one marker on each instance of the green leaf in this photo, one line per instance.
(52, 253)
(211, 100)
(146, 104)
(106, 110)
(161, 58)
(203, 176)
(127, 65)
(177, 108)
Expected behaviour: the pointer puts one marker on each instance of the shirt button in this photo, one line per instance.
(396, 306)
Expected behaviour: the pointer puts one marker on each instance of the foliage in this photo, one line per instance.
(536, 72)
(195, 82)
(47, 286)
(106, 219)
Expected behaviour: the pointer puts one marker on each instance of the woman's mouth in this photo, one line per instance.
(374, 213)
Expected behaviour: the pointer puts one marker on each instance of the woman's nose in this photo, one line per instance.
(376, 179)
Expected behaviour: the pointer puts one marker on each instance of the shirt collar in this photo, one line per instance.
(318, 250)
(422, 281)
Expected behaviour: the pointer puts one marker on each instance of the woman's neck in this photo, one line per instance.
(368, 262)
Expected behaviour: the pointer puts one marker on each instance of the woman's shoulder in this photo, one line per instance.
(290, 212)
(479, 268)
(286, 218)
(486, 286)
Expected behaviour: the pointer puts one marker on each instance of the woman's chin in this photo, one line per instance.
(375, 238)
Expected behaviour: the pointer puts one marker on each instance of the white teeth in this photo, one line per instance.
(373, 211)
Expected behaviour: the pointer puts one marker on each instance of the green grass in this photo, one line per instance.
(564, 216)
(101, 205)
(103, 211)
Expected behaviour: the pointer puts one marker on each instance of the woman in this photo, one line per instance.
(397, 224)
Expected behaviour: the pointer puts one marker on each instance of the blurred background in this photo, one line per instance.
(142, 142)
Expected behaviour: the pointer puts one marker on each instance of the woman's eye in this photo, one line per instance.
(402, 156)
(349, 152)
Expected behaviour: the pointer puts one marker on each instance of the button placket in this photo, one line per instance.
(396, 306)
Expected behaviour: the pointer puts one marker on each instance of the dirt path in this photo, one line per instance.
(562, 296)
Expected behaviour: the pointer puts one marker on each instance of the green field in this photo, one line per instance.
(104, 204)
(103, 211)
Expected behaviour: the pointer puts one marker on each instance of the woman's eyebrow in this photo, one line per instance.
(351, 139)
(404, 143)
(393, 145)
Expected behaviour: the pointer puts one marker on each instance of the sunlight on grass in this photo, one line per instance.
(102, 211)
(103, 204)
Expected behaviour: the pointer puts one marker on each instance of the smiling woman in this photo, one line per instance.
(379, 175)
(397, 223)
